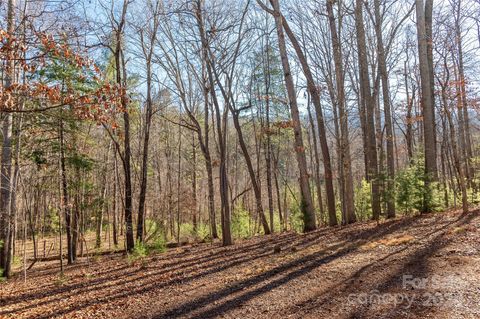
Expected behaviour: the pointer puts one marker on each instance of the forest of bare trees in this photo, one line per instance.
(132, 124)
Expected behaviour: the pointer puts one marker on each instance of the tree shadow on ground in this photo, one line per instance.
(185, 270)
(381, 277)
(163, 273)
(278, 276)
(416, 266)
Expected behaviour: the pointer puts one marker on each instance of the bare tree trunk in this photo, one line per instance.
(443, 153)
(194, 187)
(456, 157)
(248, 161)
(281, 216)
(339, 168)
(268, 162)
(409, 119)
(318, 183)
(306, 197)
(148, 50)
(65, 197)
(211, 193)
(128, 184)
(115, 205)
(14, 185)
(121, 78)
(322, 135)
(427, 102)
(6, 160)
(179, 172)
(462, 152)
(367, 101)
(268, 142)
(204, 146)
(221, 125)
(60, 236)
(168, 155)
(76, 217)
(101, 212)
(345, 159)
(429, 40)
(466, 139)
(144, 170)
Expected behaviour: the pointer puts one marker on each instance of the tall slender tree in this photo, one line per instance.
(308, 212)
(382, 67)
(424, 13)
(6, 220)
(368, 104)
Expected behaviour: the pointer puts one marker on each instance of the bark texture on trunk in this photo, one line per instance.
(423, 13)
(369, 105)
(306, 196)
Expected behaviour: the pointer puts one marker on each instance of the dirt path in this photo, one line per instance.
(416, 267)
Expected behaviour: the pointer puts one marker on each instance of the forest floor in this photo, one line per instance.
(412, 267)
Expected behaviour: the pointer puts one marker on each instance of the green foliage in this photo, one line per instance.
(158, 244)
(241, 223)
(296, 217)
(305, 217)
(473, 196)
(38, 157)
(64, 69)
(80, 161)
(150, 225)
(475, 160)
(52, 222)
(156, 241)
(387, 192)
(270, 72)
(16, 261)
(363, 202)
(338, 209)
(203, 231)
(139, 251)
(188, 232)
(412, 195)
(410, 188)
(55, 220)
(153, 228)
(436, 197)
(277, 225)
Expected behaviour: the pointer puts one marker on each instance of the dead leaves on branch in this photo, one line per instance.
(56, 76)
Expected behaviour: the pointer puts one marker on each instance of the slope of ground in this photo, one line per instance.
(415, 267)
